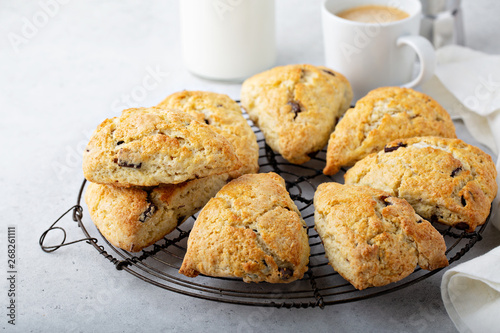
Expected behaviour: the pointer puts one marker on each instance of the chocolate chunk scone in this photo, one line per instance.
(133, 218)
(445, 180)
(152, 146)
(251, 230)
(385, 114)
(225, 117)
(371, 238)
(296, 107)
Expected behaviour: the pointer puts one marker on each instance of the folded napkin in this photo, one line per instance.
(467, 85)
(471, 293)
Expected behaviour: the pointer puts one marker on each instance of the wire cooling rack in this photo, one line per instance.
(321, 285)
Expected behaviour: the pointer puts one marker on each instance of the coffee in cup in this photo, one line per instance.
(373, 14)
(380, 53)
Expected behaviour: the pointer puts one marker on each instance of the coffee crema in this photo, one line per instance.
(373, 14)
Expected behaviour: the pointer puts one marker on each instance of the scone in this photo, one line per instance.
(445, 180)
(225, 117)
(385, 114)
(152, 146)
(296, 107)
(371, 238)
(251, 230)
(133, 218)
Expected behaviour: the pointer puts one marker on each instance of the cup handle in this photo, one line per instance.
(426, 57)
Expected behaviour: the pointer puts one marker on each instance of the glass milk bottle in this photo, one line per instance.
(228, 40)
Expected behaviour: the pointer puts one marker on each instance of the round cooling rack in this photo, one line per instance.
(320, 286)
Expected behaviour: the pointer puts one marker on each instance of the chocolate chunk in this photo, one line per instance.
(120, 142)
(180, 219)
(180, 140)
(464, 203)
(329, 72)
(129, 159)
(127, 164)
(207, 121)
(285, 273)
(389, 149)
(296, 108)
(462, 226)
(384, 200)
(302, 73)
(219, 105)
(265, 263)
(150, 210)
(454, 172)
(420, 221)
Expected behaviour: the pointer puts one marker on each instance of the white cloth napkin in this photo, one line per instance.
(471, 293)
(467, 85)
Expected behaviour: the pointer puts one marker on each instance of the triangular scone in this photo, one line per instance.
(133, 218)
(251, 230)
(385, 114)
(371, 238)
(445, 180)
(225, 117)
(296, 107)
(152, 146)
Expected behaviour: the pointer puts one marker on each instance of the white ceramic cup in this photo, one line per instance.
(373, 55)
(228, 40)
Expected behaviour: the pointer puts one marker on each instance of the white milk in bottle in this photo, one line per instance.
(228, 40)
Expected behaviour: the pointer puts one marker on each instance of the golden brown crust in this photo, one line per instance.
(385, 114)
(152, 146)
(133, 218)
(225, 117)
(296, 107)
(445, 180)
(371, 238)
(252, 230)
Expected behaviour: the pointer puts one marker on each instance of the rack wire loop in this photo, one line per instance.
(77, 215)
